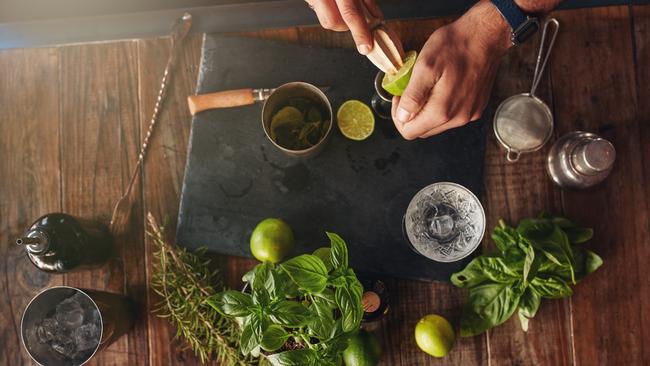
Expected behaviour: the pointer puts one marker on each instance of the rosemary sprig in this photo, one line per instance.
(184, 280)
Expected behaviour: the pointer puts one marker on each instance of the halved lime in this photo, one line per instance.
(356, 120)
(396, 83)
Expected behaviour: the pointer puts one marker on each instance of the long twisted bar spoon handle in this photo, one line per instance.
(122, 209)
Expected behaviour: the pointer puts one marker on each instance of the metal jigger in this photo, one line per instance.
(382, 101)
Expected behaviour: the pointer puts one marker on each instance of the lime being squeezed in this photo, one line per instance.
(396, 83)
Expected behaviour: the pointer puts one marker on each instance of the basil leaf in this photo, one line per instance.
(528, 262)
(554, 244)
(289, 313)
(535, 229)
(261, 297)
(563, 222)
(273, 338)
(488, 305)
(284, 286)
(482, 269)
(322, 322)
(551, 287)
(262, 278)
(300, 357)
(249, 276)
(504, 237)
(349, 303)
(307, 271)
(325, 254)
(353, 283)
(250, 338)
(326, 297)
(339, 252)
(231, 303)
(528, 305)
(579, 235)
(585, 261)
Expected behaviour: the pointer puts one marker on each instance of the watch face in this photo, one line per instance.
(525, 31)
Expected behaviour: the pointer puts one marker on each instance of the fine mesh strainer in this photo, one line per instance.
(524, 123)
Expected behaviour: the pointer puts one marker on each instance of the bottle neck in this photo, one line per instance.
(35, 241)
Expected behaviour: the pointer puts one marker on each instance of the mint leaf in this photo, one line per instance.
(307, 271)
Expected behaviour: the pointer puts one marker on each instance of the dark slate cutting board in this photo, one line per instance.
(234, 177)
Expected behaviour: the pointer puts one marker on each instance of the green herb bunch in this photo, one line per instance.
(300, 312)
(185, 280)
(541, 258)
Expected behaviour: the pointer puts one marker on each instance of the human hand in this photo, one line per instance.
(453, 76)
(344, 15)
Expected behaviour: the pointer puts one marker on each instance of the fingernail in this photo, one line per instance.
(363, 49)
(403, 115)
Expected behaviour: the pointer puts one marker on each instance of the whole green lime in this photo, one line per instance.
(434, 335)
(363, 350)
(272, 240)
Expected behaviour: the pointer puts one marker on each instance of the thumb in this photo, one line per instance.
(416, 93)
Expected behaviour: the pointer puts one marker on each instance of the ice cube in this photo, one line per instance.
(46, 330)
(69, 313)
(86, 336)
(66, 349)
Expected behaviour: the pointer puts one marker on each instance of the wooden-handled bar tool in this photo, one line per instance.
(226, 99)
(230, 98)
(387, 51)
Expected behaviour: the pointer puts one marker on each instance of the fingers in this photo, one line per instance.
(353, 15)
(443, 110)
(328, 15)
(418, 91)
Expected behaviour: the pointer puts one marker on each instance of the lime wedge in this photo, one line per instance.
(355, 120)
(288, 118)
(396, 83)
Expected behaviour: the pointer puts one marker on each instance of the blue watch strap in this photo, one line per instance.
(511, 12)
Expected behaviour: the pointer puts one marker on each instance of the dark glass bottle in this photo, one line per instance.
(60, 243)
(375, 300)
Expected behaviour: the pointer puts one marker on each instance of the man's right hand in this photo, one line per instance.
(344, 15)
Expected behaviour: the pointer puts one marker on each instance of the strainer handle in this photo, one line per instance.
(544, 52)
(513, 156)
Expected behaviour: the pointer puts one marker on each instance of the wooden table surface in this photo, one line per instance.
(71, 119)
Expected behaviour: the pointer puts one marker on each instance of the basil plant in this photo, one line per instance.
(299, 312)
(540, 258)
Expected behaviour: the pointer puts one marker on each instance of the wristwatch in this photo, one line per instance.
(523, 25)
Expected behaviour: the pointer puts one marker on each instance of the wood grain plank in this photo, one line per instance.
(513, 192)
(100, 141)
(164, 168)
(594, 84)
(641, 22)
(29, 180)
